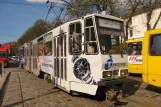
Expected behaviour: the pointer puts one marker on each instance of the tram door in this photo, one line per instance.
(60, 60)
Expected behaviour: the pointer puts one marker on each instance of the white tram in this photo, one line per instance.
(80, 55)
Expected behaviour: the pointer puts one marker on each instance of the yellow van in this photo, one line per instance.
(152, 57)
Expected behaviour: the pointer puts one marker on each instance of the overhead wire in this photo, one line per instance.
(49, 9)
(52, 5)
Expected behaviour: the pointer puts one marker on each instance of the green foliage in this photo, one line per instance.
(39, 27)
(78, 8)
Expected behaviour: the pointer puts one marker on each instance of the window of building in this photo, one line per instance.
(131, 33)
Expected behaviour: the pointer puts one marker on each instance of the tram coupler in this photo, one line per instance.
(113, 95)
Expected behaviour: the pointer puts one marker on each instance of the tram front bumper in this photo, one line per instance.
(113, 88)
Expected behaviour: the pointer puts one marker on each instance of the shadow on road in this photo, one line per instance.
(130, 87)
(29, 99)
(153, 88)
(81, 95)
(101, 99)
(119, 103)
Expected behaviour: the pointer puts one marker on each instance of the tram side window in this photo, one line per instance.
(75, 38)
(155, 45)
(65, 45)
(28, 51)
(90, 37)
(25, 54)
(54, 47)
(40, 48)
(23, 51)
(31, 51)
(48, 48)
(34, 50)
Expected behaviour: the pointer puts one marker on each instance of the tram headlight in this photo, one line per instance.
(124, 72)
(107, 74)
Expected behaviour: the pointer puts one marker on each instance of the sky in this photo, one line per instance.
(16, 17)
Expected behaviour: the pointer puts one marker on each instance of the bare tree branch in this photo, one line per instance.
(157, 21)
(134, 7)
(149, 14)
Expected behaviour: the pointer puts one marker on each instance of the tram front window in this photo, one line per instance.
(110, 33)
(109, 41)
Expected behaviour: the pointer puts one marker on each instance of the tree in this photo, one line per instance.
(149, 7)
(79, 8)
(143, 6)
(38, 28)
(111, 6)
(133, 5)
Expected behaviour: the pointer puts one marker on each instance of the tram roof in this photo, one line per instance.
(105, 16)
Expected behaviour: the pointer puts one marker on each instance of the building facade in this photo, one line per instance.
(138, 24)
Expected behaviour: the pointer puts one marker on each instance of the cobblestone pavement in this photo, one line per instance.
(26, 90)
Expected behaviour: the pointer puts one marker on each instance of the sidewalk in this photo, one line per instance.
(3, 82)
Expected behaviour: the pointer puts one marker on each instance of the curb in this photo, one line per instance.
(3, 88)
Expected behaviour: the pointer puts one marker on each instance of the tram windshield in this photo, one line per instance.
(110, 35)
